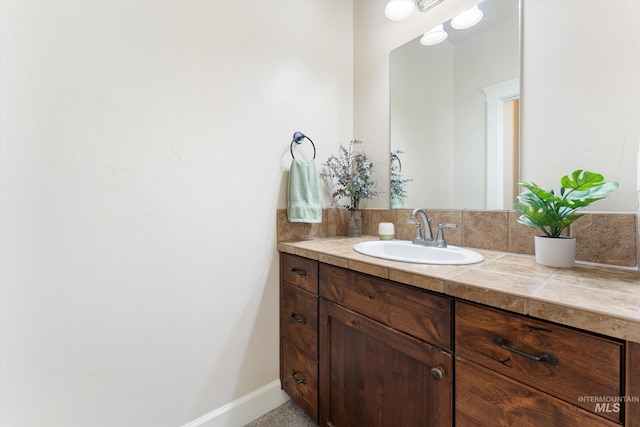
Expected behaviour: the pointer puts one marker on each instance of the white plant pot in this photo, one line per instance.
(555, 251)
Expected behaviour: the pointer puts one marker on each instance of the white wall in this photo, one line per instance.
(581, 93)
(580, 87)
(143, 147)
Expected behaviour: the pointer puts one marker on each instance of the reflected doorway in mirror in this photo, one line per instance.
(503, 142)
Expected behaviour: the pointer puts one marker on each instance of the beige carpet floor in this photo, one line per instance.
(286, 415)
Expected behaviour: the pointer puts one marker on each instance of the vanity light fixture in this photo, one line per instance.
(434, 36)
(467, 19)
(399, 10)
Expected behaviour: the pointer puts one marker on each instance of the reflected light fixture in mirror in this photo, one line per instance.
(399, 10)
(467, 19)
(434, 36)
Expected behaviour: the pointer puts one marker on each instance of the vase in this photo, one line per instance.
(555, 251)
(397, 202)
(354, 226)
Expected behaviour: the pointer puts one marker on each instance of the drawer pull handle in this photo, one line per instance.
(299, 272)
(299, 319)
(543, 357)
(296, 379)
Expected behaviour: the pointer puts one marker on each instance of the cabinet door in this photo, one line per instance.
(487, 398)
(373, 375)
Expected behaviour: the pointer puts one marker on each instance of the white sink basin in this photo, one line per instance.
(406, 251)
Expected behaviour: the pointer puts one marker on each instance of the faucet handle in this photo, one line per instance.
(440, 236)
(418, 233)
(447, 225)
(413, 222)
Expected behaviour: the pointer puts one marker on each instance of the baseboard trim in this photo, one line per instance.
(242, 411)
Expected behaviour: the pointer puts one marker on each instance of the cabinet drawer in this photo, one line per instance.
(299, 378)
(572, 365)
(300, 272)
(410, 310)
(299, 318)
(487, 398)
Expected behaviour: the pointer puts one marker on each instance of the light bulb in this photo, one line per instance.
(434, 36)
(399, 10)
(467, 19)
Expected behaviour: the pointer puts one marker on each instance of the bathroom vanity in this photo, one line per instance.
(366, 341)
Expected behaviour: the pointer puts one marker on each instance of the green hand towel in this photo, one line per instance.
(303, 203)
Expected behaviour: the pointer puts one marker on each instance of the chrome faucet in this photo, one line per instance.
(425, 237)
(423, 234)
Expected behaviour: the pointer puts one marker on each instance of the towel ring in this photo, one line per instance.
(394, 156)
(298, 137)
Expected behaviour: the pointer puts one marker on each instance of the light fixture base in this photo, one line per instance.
(399, 10)
(424, 5)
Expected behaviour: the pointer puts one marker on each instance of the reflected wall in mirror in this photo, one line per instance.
(455, 114)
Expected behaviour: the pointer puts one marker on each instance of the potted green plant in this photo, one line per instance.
(553, 213)
(350, 176)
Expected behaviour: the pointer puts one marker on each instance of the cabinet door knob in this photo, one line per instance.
(438, 373)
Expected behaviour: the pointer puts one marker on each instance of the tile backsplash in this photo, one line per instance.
(605, 238)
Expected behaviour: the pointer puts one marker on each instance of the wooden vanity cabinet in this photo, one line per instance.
(376, 369)
(358, 350)
(515, 370)
(299, 331)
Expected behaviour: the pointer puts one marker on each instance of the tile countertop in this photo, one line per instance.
(596, 298)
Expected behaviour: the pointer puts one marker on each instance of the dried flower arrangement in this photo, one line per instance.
(350, 176)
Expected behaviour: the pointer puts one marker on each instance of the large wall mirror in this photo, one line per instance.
(455, 115)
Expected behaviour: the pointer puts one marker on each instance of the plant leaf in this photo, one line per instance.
(596, 192)
(581, 180)
(541, 193)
